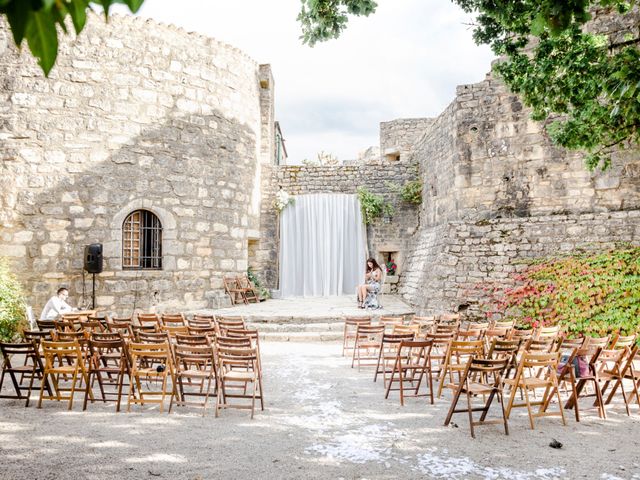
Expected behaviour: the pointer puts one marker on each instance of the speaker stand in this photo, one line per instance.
(93, 292)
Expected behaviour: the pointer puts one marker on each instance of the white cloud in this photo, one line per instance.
(403, 61)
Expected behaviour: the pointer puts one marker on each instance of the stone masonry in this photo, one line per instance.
(135, 115)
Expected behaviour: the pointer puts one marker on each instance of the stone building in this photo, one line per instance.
(162, 145)
(144, 138)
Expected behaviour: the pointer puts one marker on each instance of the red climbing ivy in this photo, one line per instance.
(592, 293)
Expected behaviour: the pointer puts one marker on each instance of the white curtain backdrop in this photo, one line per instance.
(322, 246)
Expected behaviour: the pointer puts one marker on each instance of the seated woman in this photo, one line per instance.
(368, 291)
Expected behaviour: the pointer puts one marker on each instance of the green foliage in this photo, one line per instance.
(410, 192)
(263, 292)
(584, 85)
(12, 305)
(589, 294)
(37, 22)
(325, 19)
(373, 205)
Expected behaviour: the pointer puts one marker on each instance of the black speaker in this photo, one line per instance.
(93, 258)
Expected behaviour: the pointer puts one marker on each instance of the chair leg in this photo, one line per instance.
(470, 411)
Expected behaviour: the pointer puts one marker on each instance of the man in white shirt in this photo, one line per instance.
(56, 305)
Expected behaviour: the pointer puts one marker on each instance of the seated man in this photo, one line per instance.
(56, 305)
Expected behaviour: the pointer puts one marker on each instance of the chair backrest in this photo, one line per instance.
(137, 329)
(122, 319)
(412, 329)
(173, 330)
(152, 337)
(623, 341)
(224, 322)
(497, 332)
(79, 337)
(441, 339)
(106, 336)
(91, 326)
(202, 357)
(416, 351)
(504, 348)
(36, 336)
(207, 331)
(355, 321)
(201, 321)
(503, 324)
(245, 357)
(396, 338)
(446, 328)
(449, 318)
(552, 332)
(426, 323)
(467, 347)
(540, 360)
(56, 350)
(114, 349)
(233, 342)
(45, 325)
(597, 342)
(156, 351)
(488, 371)
(470, 334)
(542, 344)
(28, 349)
(390, 321)
(173, 320)
(523, 334)
(148, 319)
(123, 328)
(192, 340)
(65, 326)
(370, 330)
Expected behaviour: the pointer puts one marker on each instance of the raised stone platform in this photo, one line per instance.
(308, 319)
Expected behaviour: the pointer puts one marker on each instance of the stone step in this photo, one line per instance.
(297, 327)
(284, 336)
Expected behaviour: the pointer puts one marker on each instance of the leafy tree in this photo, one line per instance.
(584, 85)
(12, 305)
(37, 21)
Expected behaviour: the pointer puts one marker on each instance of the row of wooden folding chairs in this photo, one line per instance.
(446, 356)
(107, 356)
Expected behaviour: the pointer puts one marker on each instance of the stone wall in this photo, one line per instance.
(384, 235)
(398, 137)
(134, 115)
(487, 167)
(453, 258)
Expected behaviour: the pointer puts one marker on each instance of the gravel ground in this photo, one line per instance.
(322, 420)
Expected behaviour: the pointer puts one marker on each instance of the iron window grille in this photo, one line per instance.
(142, 241)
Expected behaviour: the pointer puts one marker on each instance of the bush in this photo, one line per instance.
(586, 294)
(12, 305)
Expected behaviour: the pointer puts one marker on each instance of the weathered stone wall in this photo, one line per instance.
(398, 137)
(486, 166)
(384, 235)
(453, 258)
(134, 115)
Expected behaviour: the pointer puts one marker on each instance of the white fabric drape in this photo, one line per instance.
(322, 246)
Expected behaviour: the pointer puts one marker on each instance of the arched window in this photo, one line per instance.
(142, 241)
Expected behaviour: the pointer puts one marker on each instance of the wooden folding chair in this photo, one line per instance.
(236, 294)
(367, 345)
(195, 374)
(410, 365)
(108, 364)
(237, 366)
(63, 359)
(505, 349)
(547, 363)
(568, 350)
(610, 366)
(388, 353)
(481, 377)
(441, 342)
(249, 290)
(458, 354)
(349, 334)
(150, 362)
(32, 368)
(627, 372)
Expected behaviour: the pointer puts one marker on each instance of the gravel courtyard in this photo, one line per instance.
(322, 420)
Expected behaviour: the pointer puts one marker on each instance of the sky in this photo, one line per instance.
(403, 61)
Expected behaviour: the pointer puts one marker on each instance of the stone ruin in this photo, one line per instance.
(138, 115)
